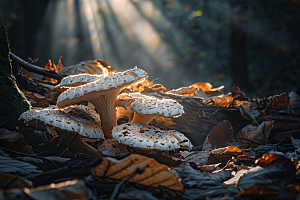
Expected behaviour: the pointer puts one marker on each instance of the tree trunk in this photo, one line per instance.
(12, 100)
(238, 56)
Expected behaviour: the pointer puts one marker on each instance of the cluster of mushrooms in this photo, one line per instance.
(107, 95)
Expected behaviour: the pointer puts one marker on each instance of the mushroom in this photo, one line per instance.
(148, 137)
(75, 80)
(78, 118)
(146, 108)
(102, 94)
(67, 123)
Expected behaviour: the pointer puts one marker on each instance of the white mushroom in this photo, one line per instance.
(146, 108)
(148, 137)
(78, 118)
(102, 94)
(75, 80)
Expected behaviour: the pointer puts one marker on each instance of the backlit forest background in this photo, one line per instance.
(254, 44)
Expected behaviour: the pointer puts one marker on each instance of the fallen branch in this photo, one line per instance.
(36, 69)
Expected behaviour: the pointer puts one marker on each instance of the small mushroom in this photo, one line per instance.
(77, 119)
(67, 123)
(75, 80)
(146, 108)
(102, 94)
(150, 138)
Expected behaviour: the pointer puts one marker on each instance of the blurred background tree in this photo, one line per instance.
(254, 44)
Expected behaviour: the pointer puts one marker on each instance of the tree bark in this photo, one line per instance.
(12, 100)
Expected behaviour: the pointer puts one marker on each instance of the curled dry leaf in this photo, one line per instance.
(154, 174)
(221, 135)
(252, 136)
(74, 189)
(52, 66)
(8, 181)
(272, 167)
(39, 100)
(221, 101)
(238, 94)
(14, 141)
(223, 155)
(276, 102)
(88, 67)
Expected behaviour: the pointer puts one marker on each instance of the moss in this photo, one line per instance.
(12, 100)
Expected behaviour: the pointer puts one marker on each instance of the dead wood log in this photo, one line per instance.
(198, 118)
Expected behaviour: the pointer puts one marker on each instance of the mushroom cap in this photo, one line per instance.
(76, 80)
(112, 80)
(78, 118)
(144, 104)
(144, 137)
(184, 142)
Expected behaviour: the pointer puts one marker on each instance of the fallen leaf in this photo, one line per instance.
(154, 174)
(276, 102)
(238, 94)
(8, 181)
(221, 135)
(273, 167)
(73, 189)
(16, 167)
(252, 136)
(88, 67)
(223, 155)
(221, 101)
(14, 141)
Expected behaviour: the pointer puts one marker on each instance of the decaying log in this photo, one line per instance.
(198, 118)
(281, 122)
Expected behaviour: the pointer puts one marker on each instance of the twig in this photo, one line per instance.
(117, 188)
(67, 148)
(36, 69)
(73, 170)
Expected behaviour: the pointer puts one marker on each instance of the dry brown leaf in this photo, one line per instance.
(221, 101)
(238, 94)
(223, 155)
(277, 102)
(221, 135)
(14, 141)
(39, 100)
(154, 174)
(88, 67)
(73, 189)
(205, 86)
(252, 136)
(52, 66)
(266, 159)
(8, 181)
(262, 190)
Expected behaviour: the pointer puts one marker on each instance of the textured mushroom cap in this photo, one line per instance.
(144, 104)
(76, 80)
(78, 118)
(112, 80)
(145, 137)
(184, 142)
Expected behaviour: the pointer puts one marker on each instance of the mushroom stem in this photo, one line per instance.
(105, 105)
(142, 119)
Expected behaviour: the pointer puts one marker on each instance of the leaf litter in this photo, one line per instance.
(236, 154)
